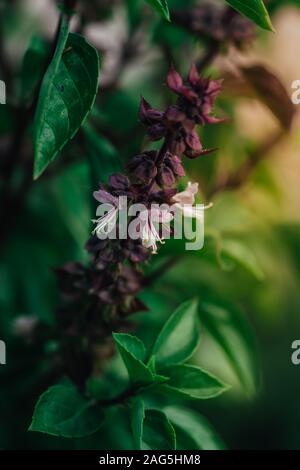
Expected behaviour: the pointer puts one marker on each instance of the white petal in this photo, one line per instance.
(106, 223)
(150, 236)
(105, 197)
(160, 215)
(188, 195)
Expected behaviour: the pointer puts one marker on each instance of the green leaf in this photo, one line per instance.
(179, 337)
(161, 6)
(151, 429)
(33, 66)
(67, 95)
(234, 252)
(62, 411)
(133, 9)
(192, 382)
(232, 333)
(137, 423)
(152, 364)
(158, 432)
(194, 427)
(255, 10)
(133, 352)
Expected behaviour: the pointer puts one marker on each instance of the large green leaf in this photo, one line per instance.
(151, 429)
(255, 10)
(161, 6)
(179, 337)
(192, 382)
(67, 95)
(195, 429)
(62, 411)
(234, 336)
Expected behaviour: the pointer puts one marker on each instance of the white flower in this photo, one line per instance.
(110, 204)
(188, 195)
(149, 222)
(185, 202)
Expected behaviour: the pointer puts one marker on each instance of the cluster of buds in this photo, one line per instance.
(98, 298)
(178, 123)
(217, 23)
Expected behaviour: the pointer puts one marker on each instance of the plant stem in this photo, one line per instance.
(236, 180)
(209, 55)
(168, 264)
(119, 399)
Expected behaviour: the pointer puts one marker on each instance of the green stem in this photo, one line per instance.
(122, 397)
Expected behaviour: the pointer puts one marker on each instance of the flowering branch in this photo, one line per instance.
(99, 298)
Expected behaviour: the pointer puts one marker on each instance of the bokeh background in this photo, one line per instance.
(259, 221)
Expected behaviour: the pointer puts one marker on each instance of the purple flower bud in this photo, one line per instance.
(178, 145)
(147, 114)
(164, 196)
(166, 176)
(156, 131)
(174, 113)
(193, 141)
(174, 80)
(175, 164)
(119, 182)
(193, 75)
(143, 166)
(129, 281)
(214, 22)
(134, 250)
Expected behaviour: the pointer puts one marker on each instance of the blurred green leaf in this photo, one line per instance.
(235, 252)
(67, 95)
(195, 427)
(161, 6)
(179, 337)
(33, 66)
(255, 10)
(192, 382)
(234, 336)
(62, 411)
(133, 9)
